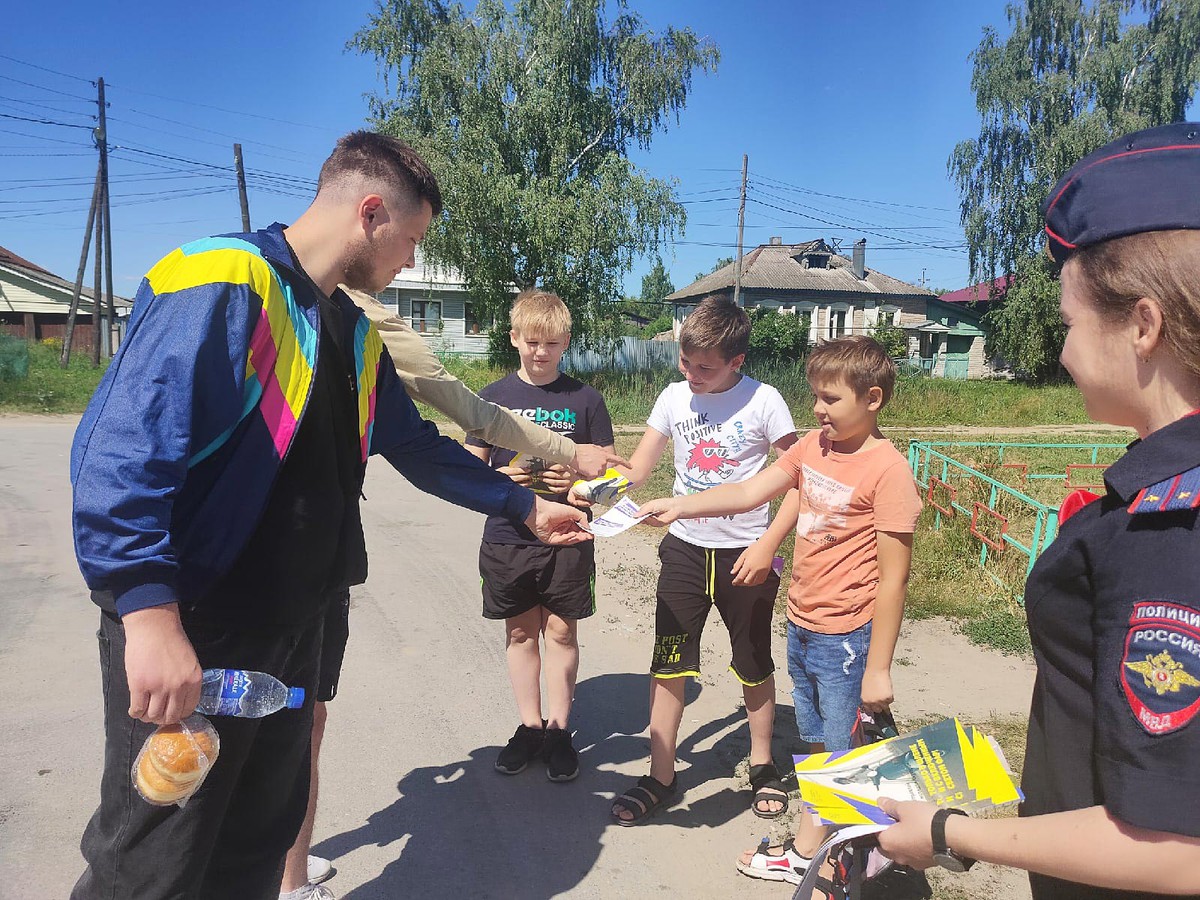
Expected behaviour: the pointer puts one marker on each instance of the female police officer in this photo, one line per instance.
(1112, 772)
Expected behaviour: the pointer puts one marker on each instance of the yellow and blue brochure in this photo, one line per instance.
(946, 763)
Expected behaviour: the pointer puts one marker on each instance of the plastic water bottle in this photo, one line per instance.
(251, 695)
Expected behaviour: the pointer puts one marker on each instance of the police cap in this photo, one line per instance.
(1145, 181)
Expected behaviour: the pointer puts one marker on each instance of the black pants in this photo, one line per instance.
(230, 839)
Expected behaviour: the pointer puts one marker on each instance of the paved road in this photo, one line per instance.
(411, 805)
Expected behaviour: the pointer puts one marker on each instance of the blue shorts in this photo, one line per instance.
(827, 675)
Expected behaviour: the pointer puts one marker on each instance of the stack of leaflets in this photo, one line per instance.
(946, 763)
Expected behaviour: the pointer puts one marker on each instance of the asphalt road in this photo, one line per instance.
(411, 805)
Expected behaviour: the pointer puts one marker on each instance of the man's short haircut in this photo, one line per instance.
(858, 360)
(716, 324)
(538, 313)
(385, 160)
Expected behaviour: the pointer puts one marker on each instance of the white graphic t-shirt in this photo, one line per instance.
(718, 439)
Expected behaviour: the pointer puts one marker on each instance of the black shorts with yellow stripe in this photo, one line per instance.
(518, 577)
(692, 580)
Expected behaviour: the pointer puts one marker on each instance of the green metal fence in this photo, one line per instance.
(968, 480)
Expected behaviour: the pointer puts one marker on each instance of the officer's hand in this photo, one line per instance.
(160, 665)
(876, 690)
(910, 841)
(557, 524)
(517, 474)
(591, 461)
(557, 479)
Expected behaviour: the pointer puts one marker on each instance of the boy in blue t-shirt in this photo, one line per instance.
(537, 589)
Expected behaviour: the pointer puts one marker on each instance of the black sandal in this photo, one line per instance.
(767, 785)
(649, 794)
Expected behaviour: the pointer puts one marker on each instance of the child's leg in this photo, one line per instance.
(760, 711)
(666, 713)
(561, 666)
(521, 634)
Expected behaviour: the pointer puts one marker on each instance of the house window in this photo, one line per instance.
(477, 320)
(837, 324)
(427, 316)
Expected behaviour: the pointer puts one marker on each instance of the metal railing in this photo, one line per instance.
(1002, 518)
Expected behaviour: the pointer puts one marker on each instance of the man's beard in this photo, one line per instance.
(358, 270)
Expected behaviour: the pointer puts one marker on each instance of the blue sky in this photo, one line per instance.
(848, 114)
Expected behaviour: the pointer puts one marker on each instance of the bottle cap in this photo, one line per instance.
(295, 698)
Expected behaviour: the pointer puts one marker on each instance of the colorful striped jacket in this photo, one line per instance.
(177, 452)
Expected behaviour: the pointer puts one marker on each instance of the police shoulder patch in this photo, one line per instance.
(1160, 668)
(1180, 491)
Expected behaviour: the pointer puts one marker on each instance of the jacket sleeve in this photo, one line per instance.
(130, 455)
(435, 463)
(427, 381)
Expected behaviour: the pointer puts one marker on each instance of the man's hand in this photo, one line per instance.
(591, 461)
(518, 475)
(660, 512)
(876, 690)
(557, 479)
(557, 524)
(160, 665)
(910, 841)
(753, 566)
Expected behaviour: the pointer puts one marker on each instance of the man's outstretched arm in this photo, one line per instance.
(426, 379)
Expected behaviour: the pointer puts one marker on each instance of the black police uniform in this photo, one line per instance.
(1114, 615)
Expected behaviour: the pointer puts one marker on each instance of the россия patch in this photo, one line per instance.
(1160, 668)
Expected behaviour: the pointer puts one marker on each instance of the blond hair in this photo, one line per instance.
(538, 313)
(1163, 265)
(860, 361)
(717, 324)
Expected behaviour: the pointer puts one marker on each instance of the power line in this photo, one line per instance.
(22, 62)
(42, 87)
(46, 122)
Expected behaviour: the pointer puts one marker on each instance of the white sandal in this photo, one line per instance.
(789, 866)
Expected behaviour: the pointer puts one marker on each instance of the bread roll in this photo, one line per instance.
(155, 788)
(175, 753)
(175, 759)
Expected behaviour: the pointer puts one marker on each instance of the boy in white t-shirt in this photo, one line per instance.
(723, 425)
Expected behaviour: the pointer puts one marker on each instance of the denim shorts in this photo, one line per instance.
(827, 674)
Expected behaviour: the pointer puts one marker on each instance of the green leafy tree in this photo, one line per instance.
(776, 337)
(717, 266)
(527, 112)
(893, 339)
(1027, 331)
(656, 285)
(1069, 77)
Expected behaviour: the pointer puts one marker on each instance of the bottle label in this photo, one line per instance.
(234, 687)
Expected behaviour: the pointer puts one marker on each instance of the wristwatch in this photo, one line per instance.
(942, 854)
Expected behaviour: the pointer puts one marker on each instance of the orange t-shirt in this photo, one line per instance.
(844, 499)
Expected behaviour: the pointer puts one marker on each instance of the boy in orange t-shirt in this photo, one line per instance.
(855, 505)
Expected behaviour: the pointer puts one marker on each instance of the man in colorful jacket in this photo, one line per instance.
(217, 473)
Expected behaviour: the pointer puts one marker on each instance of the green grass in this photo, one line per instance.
(918, 400)
(48, 388)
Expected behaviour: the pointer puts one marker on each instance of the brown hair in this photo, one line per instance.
(536, 312)
(860, 361)
(1164, 265)
(716, 324)
(382, 158)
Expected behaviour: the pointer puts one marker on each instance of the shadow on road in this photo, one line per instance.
(465, 831)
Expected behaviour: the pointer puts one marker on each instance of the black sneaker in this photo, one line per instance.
(522, 748)
(562, 762)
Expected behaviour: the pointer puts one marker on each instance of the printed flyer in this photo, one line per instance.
(946, 763)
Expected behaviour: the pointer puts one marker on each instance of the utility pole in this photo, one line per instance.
(96, 297)
(68, 338)
(737, 265)
(241, 183)
(102, 142)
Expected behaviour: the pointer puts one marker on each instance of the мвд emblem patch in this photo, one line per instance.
(1160, 669)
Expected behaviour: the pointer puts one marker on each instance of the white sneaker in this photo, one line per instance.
(319, 869)
(309, 891)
